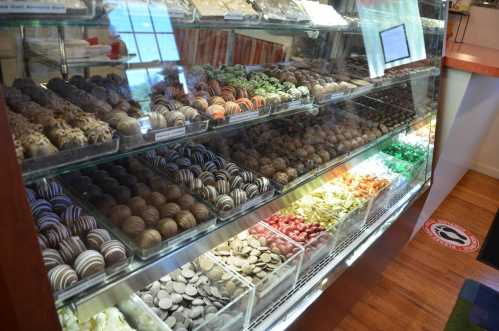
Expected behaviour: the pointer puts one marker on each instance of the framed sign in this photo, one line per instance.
(394, 43)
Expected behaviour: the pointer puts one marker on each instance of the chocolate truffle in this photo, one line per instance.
(105, 203)
(83, 225)
(281, 177)
(113, 252)
(149, 238)
(172, 192)
(200, 212)
(88, 263)
(119, 213)
(51, 258)
(169, 209)
(156, 199)
(133, 225)
(150, 215)
(137, 204)
(121, 194)
(186, 201)
(70, 248)
(224, 202)
(96, 238)
(185, 219)
(62, 276)
(167, 227)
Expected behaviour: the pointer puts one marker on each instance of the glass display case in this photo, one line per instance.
(242, 149)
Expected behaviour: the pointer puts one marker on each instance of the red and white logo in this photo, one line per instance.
(451, 235)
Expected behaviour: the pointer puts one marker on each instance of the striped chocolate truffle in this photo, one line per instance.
(42, 241)
(30, 194)
(48, 221)
(236, 182)
(209, 193)
(71, 214)
(239, 196)
(82, 225)
(96, 238)
(88, 263)
(56, 235)
(263, 184)
(222, 186)
(207, 178)
(251, 190)
(224, 202)
(39, 207)
(49, 190)
(62, 276)
(113, 252)
(70, 248)
(51, 258)
(60, 203)
(248, 176)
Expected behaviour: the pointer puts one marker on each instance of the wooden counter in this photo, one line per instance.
(471, 58)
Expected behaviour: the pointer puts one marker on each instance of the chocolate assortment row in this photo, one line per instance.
(223, 184)
(287, 149)
(43, 123)
(73, 245)
(143, 205)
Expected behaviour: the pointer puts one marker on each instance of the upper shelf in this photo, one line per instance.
(74, 160)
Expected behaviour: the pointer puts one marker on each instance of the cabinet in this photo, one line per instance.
(199, 165)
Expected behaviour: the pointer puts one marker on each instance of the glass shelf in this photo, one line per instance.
(57, 169)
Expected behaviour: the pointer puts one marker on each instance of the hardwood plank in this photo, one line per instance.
(419, 288)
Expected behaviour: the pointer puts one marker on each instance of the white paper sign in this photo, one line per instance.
(243, 117)
(21, 7)
(170, 134)
(394, 43)
(234, 15)
(379, 16)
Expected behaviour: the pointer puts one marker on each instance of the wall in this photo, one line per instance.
(486, 159)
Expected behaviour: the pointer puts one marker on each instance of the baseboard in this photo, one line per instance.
(486, 169)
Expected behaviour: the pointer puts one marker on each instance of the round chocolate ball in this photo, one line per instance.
(119, 213)
(185, 219)
(156, 199)
(150, 215)
(172, 192)
(137, 204)
(200, 212)
(133, 226)
(121, 193)
(105, 203)
(167, 227)
(149, 238)
(186, 201)
(169, 209)
(142, 190)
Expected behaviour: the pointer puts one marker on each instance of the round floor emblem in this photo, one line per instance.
(451, 235)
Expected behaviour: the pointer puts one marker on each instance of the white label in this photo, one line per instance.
(234, 15)
(170, 134)
(243, 117)
(17, 7)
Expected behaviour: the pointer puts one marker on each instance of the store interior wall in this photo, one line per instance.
(486, 160)
(482, 28)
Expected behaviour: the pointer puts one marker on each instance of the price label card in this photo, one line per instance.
(243, 117)
(234, 16)
(170, 134)
(294, 105)
(29, 7)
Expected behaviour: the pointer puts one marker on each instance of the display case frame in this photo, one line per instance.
(381, 216)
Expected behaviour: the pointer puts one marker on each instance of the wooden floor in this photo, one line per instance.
(418, 290)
